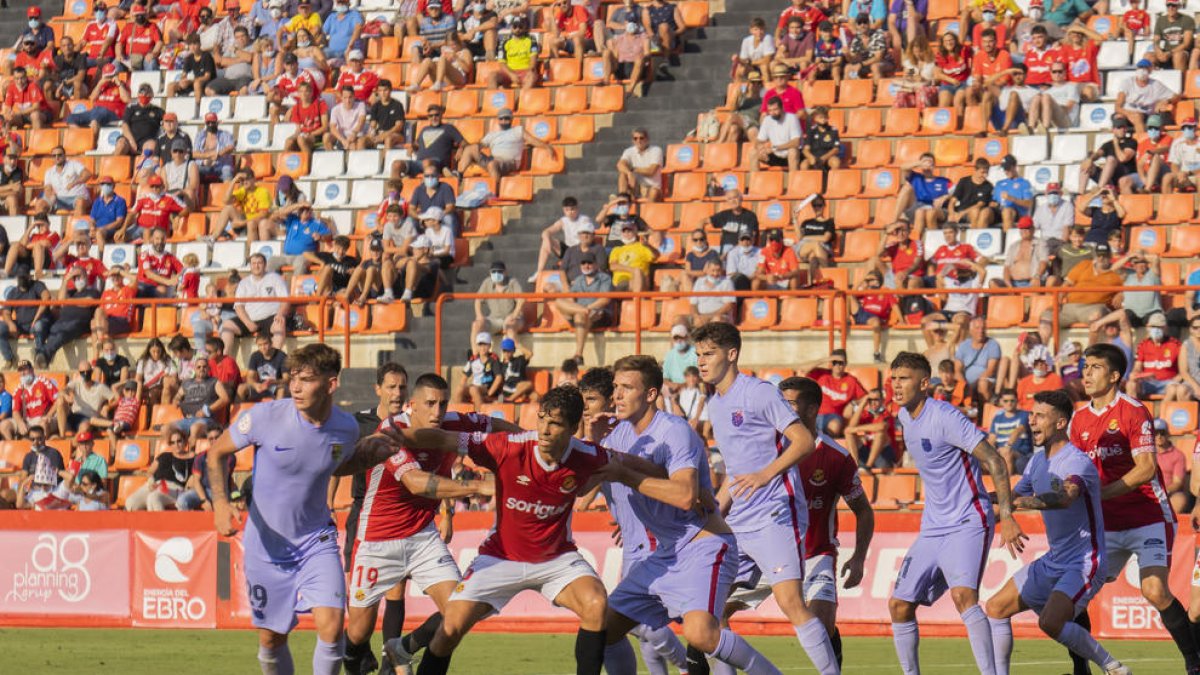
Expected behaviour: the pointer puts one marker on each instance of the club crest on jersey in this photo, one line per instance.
(737, 418)
(1113, 425)
(243, 423)
(568, 485)
(1056, 484)
(336, 451)
(523, 480)
(818, 477)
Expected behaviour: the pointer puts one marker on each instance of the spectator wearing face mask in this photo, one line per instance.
(586, 313)
(82, 400)
(64, 186)
(108, 99)
(115, 316)
(1183, 170)
(108, 212)
(1053, 218)
(1040, 378)
(741, 261)
(630, 262)
(213, 151)
(706, 309)
(1141, 96)
(1156, 361)
(140, 41)
(499, 315)
(158, 210)
(681, 355)
(433, 195)
(33, 406)
(34, 250)
(77, 254)
(73, 321)
(505, 148)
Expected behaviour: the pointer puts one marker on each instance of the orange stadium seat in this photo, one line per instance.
(895, 491)
(1180, 416)
(864, 122)
(819, 93)
(720, 156)
(131, 454)
(852, 213)
(775, 375)
(909, 150)
(901, 122)
(803, 183)
(860, 245)
(873, 152)
(773, 215)
(867, 375)
(671, 309)
(842, 183)
(629, 320)
(577, 129)
(535, 101)
(881, 183)
(757, 314)
(516, 188)
(570, 100)
(12, 454)
(682, 157)
(1152, 239)
(1005, 311)
(974, 121)
(796, 314)
(938, 121)
(951, 151)
(764, 185)
(1138, 208)
(991, 149)
(1174, 209)
(694, 13)
(943, 9)
(495, 100)
(855, 93)
(658, 215)
(128, 484)
(1185, 242)
(607, 99)
(562, 71)
(693, 214)
(462, 103)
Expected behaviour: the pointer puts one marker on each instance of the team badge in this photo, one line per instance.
(1056, 484)
(737, 418)
(1112, 425)
(568, 485)
(459, 587)
(243, 423)
(818, 477)
(360, 595)
(845, 386)
(336, 452)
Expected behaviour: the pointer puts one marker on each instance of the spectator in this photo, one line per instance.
(1053, 218)
(514, 384)
(631, 261)
(169, 136)
(816, 236)
(505, 148)
(1135, 25)
(843, 393)
(713, 308)
(952, 253)
(875, 310)
(639, 170)
(822, 147)
(1152, 154)
(367, 279)
(1174, 39)
(42, 465)
(236, 68)
(477, 31)
(157, 210)
(1186, 386)
(1058, 105)
(64, 186)
(741, 262)
(343, 30)
(311, 117)
(680, 357)
(589, 244)
(25, 320)
(82, 400)
(434, 195)
(1026, 260)
(108, 212)
(33, 407)
(76, 254)
(695, 261)
(25, 103)
(1013, 194)
(778, 267)
(334, 267)
(569, 226)
(960, 307)
(1084, 305)
(1030, 349)
(113, 367)
(437, 143)
(199, 68)
(84, 460)
(953, 60)
(1008, 109)
(499, 315)
(1010, 434)
(108, 99)
(140, 41)
(34, 251)
(1183, 160)
(627, 57)
(1106, 212)
(1156, 363)
(281, 95)
(923, 196)
(481, 372)
(1140, 96)
(258, 317)
(518, 59)
(158, 268)
(73, 320)
(100, 37)
(385, 118)
(1173, 466)
(266, 374)
(991, 67)
(12, 188)
(733, 221)
(870, 433)
(828, 58)
(420, 274)
(570, 31)
(756, 52)
(1079, 53)
(213, 151)
(200, 399)
(587, 313)
(900, 259)
(778, 141)
(690, 402)
(222, 366)
(303, 234)
(871, 54)
(977, 359)
(972, 203)
(247, 208)
(664, 22)
(116, 316)
(168, 473)
(154, 368)
(1041, 378)
(794, 51)
(198, 493)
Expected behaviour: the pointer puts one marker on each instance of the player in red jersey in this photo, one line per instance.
(397, 538)
(538, 475)
(1117, 433)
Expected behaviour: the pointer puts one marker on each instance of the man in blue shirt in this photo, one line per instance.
(108, 212)
(1009, 433)
(1014, 194)
(977, 358)
(923, 196)
(303, 233)
(342, 29)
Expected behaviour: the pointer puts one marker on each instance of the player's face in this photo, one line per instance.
(311, 392)
(713, 361)
(429, 407)
(792, 397)
(393, 393)
(630, 395)
(553, 432)
(594, 404)
(907, 385)
(1044, 420)
(1098, 378)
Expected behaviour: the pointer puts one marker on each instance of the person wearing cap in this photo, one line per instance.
(236, 67)
(82, 400)
(198, 69)
(586, 313)
(741, 260)
(213, 151)
(1141, 96)
(12, 188)
(1152, 155)
(38, 63)
(480, 373)
(366, 281)
(589, 245)
(303, 232)
(99, 39)
(433, 193)
(157, 209)
(569, 227)
(971, 202)
(1174, 38)
(418, 273)
(181, 174)
(503, 314)
(1013, 194)
(25, 102)
(140, 41)
(1156, 360)
(627, 54)
(1084, 305)
(1058, 105)
(363, 81)
(505, 148)
(40, 31)
(247, 208)
(518, 57)
(778, 267)
(437, 144)
(1183, 160)
(923, 195)
(434, 26)
(631, 261)
(281, 87)
(141, 121)
(83, 456)
(513, 385)
(115, 316)
(170, 136)
(343, 28)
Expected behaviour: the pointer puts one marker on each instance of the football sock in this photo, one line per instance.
(1175, 620)
(666, 644)
(836, 641)
(655, 663)
(1195, 626)
(277, 661)
(420, 638)
(735, 651)
(589, 651)
(355, 653)
(1079, 664)
(907, 638)
(980, 635)
(393, 619)
(327, 657)
(1002, 643)
(697, 663)
(432, 664)
(619, 658)
(721, 668)
(1081, 642)
(816, 644)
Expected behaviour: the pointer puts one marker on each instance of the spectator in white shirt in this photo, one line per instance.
(1142, 95)
(347, 122)
(1058, 105)
(1053, 217)
(505, 148)
(639, 170)
(779, 138)
(1184, 160)
(706, 309)
(568, 226)
(758, 48)
(741, 262)
(65, 186)
(258, 317)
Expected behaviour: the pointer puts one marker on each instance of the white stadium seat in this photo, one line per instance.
(327, 164)
(253, 137)
(1030, 149)
(362, 164)
(331, 193)
(1095, 116)
(1068, 149)
(280, 133)
(120, 254)
(1041, 175)
(267, 248)
(341, 221)
(183, 106)
(14, 226)
(986, 241)
(367, 193)
(229, 254)
(151, 77)
(250, 108)
(198, 247)
(221, 105)
(1113, 55)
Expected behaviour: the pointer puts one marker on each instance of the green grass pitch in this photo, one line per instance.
(214, 652)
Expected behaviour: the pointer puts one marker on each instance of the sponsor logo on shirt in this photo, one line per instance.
(1105, 451)
(538, 509)
(522, 480)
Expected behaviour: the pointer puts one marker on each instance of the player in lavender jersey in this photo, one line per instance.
(764, 497)
(661, 646)
(1064, 484)
(292, 563)
(688, 575)
(956, 525)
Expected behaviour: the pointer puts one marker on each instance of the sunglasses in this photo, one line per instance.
(837, 363)
(639, 138)
(1058, 71)
(697, 239)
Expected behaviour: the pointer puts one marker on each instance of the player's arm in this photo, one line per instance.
(681, 489)
(800, 444)
(368, 452)
(993, 463)
(223, 512)
(1064, 496)
(1143, 470)
(864, 530)
(429, 439)
(433, 486)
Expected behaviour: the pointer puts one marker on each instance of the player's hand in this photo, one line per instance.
(616, 533)
(745, 486)
(613, 471)
(1012, 536)
(852, 572)
(446, 529)
(223, 519)
(487, 485)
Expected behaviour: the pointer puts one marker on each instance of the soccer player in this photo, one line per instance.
(956, 525)
(687, 575)
(1117, 433)
(396, 537)
(538, 475)
(1062, 483)
(291, 556)
(661, 646)
(763, 497)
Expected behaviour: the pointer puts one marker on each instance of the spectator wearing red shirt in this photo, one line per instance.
(38, 63)
(900, 257)
(800, 9)
(1079, 52)
(570, 33)
(1173, 466)
(840, 390)
(873, 428)
(1135, 24)
(874, 310)
(24, 102)
(34, 250)
(991, 68)
(109, 98)
(1043, 378)
(76, 254)
(100, 37)
(140, 41)
(778, 266)
(158, 268)
(1155, 362)
(781, 88)
(953, 252)
(158, 210)
(311, 117)
(221, 365)
(358, 78)
(1153, 151)
(953, 61)
(33, 404)
(1040, 54)
(115, 317)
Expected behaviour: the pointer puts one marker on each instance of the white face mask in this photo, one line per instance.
(106, 190)
(628, 238)
(26, 380)
(989, 17)
(681, 346)
(33, 24)
(80, 283)
(341, 9)
(1054, 200)
(745, 247)
(631, 27)
(1156, 333)
(1040, 372)
(110, 356)
(431, 182)
(1035, 13)
(276, 13)
(497, 277)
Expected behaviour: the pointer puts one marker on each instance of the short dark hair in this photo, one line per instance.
(214, 341)
(721, 334)
(988, 32)
(321, 359)
(945, 364)
(912, 361)
(1110, 354)
(570, 201)
(757, 22)
(1057, 399)
(36, 427)
(810, 391)
(982, 163)
(387, 369)
(569, 366)
(599, 380)
(92, 477)
(838, 352)
(1008, 392)
(567, 400)
(652, 375)
(341, 241)
(429, 381)
(180, 343)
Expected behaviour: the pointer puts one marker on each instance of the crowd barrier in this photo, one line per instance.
(171, 570)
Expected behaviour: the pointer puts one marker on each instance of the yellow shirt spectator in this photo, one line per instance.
(636, 255)
(253, 203)
(519, 52)
(312, 23)
(1004, 8)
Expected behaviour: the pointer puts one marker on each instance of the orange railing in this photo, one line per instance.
(842, 324)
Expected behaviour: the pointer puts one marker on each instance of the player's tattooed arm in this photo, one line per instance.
(1144, 466)
(433, 486)
(993, 463)
(1061, 498)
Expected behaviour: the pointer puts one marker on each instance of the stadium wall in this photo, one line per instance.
(171, 570)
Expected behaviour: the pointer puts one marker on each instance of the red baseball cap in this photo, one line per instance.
(232, 4)
(83, 437)
(34, 11)
(1189, 122)
(170, 117)
(106, 180)
(155, 181)
(1025, 223)
(1054, 187)
(138, 9)
(210, 117)
(109, 69)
